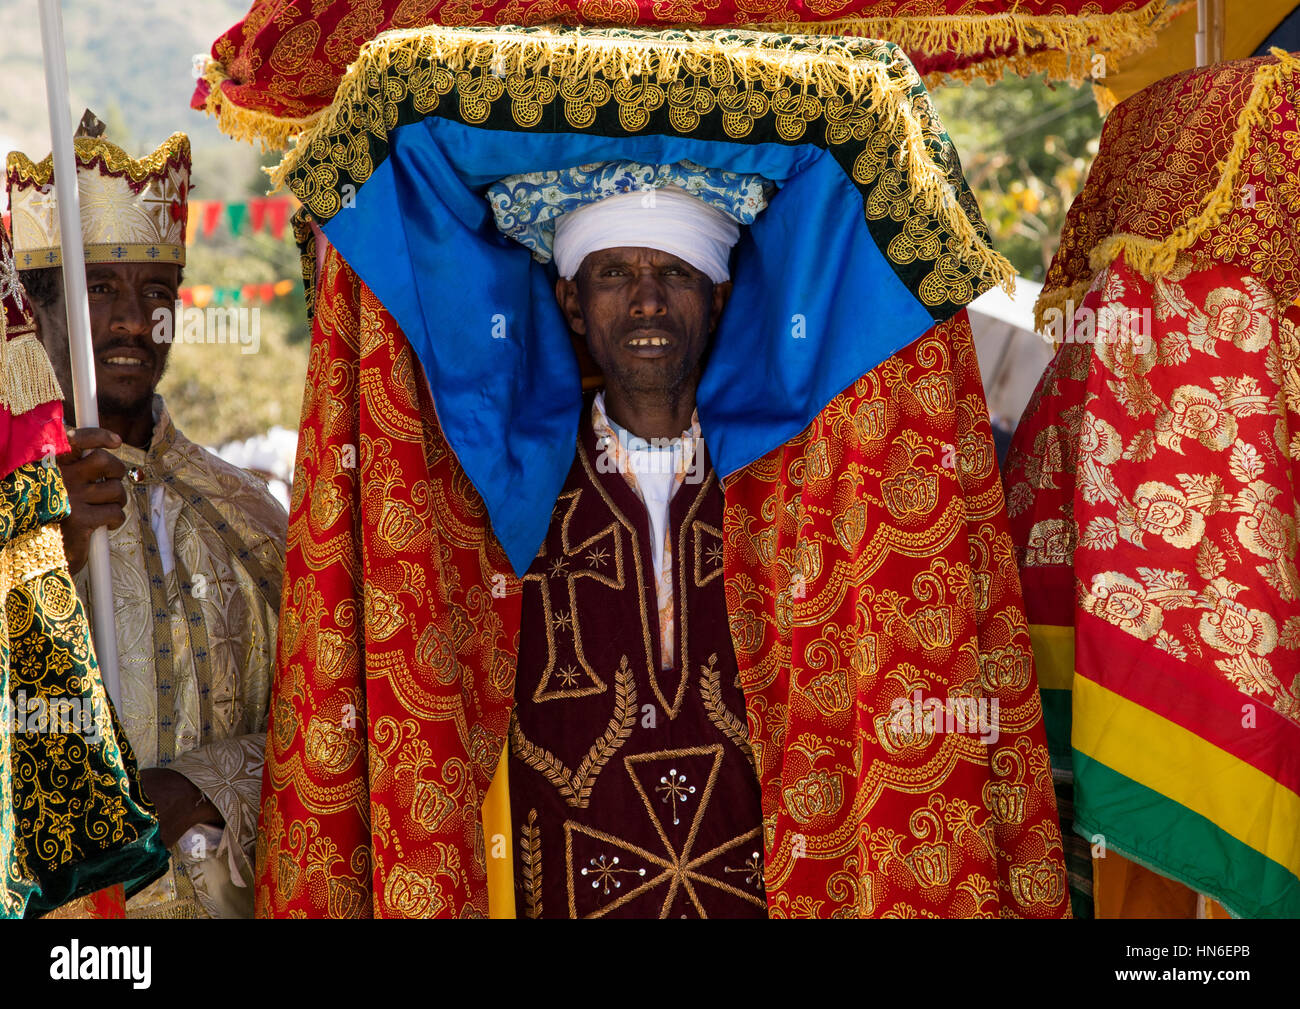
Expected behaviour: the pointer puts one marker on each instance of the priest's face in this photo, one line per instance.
(647, 317)
(129, 362)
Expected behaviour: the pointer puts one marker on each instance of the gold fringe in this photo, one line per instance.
(175, 148)
(1153, 258)
(829, 66)
(1070, 42)
(27, 378)
(1106, 99)
(271, 131)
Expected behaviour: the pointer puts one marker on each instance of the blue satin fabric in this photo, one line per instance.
(815, 304)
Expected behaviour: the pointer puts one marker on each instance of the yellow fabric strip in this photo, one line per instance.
(1053, 655)
(118, 252)
(497, 841)
(1239, 799)
(1243, 32)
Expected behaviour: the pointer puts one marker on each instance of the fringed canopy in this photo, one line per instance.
(871, 238)
(1203, 163)
(273, 74)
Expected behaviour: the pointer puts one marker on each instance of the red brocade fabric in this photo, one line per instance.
(29, 430)
(28, 437)
(1153, 488)
(1206, 164)
(395, 672)
(867, 560)
(284, 60)
(397, 655)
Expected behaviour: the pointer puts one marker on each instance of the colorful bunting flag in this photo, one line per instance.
(236, 213)
(268, 213)
(202, 295)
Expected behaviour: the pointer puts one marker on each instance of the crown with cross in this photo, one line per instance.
(132, 211)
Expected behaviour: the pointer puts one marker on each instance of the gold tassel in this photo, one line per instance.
(273, 132)
(27, 378)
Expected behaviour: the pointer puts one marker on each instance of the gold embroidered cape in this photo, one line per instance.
(196, 645)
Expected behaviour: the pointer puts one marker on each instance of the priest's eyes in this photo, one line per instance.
(104, 289)
(614, 272)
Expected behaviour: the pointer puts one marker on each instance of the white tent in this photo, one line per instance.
(1011, 355)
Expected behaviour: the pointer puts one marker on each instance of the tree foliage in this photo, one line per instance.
(1026, 147)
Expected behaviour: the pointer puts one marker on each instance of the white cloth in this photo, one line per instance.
(668, 219)
(656, 478)
(655, 468)
(158, 523)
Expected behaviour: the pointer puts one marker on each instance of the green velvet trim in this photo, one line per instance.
(73, 818)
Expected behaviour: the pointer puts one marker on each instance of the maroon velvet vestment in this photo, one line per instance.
(632, 788)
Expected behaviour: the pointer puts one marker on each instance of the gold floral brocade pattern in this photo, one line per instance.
(1180, 447)
(870, 579)
(1205, 164)
(395, 670)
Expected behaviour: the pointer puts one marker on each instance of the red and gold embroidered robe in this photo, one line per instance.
(866, 564)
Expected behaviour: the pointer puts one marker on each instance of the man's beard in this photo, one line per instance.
(128, 407)
(647, 379)
(112, 405)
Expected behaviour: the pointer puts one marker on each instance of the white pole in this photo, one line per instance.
(1202, 32)
(75, 298)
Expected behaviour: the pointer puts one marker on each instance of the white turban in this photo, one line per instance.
(668, 219)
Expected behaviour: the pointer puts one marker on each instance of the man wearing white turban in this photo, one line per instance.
(661, 816)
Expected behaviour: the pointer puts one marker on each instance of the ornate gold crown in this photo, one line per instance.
(131, 211)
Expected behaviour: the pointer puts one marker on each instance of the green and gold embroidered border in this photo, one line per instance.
(305, 239)
(72, 816)
(859, 99)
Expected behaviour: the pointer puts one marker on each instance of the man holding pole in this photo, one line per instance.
(196, 544)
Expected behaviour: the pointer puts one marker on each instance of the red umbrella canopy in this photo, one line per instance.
(270, 75)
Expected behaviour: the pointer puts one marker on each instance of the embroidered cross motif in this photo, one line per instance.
(674, 788)
(605, 872)
(162, 203)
